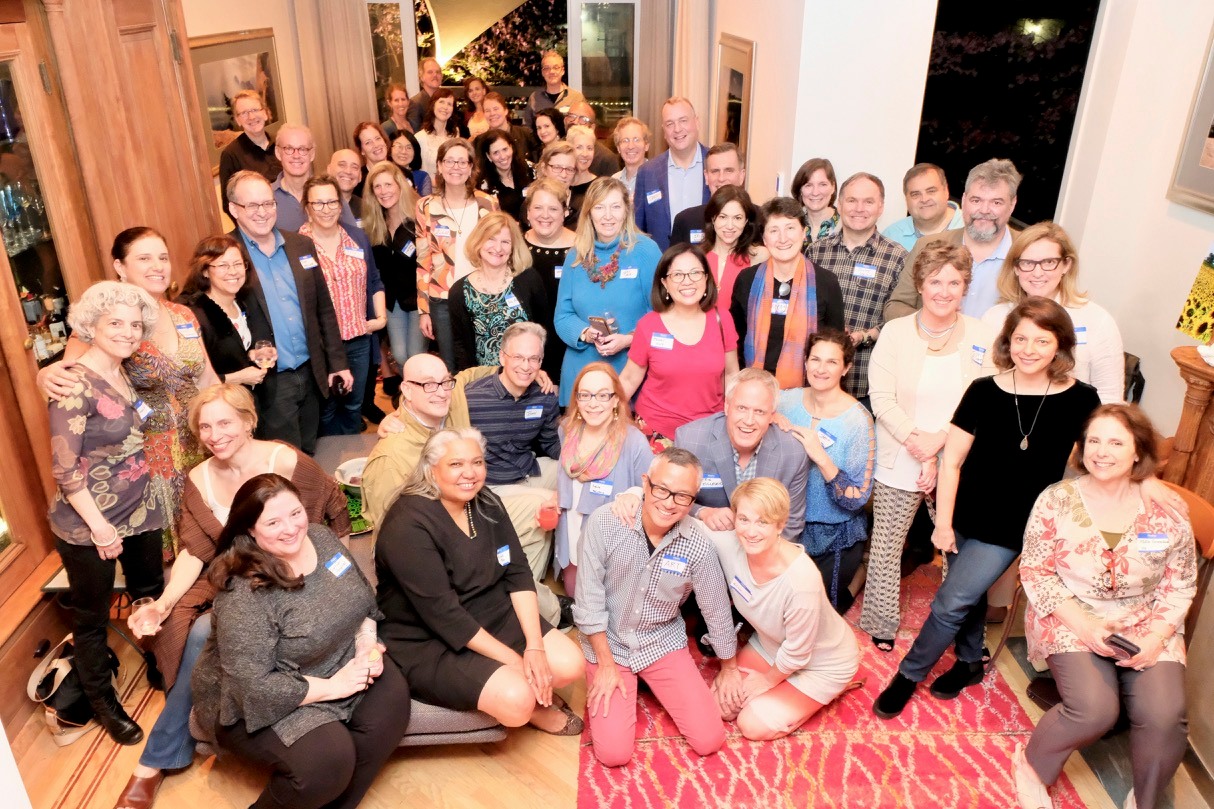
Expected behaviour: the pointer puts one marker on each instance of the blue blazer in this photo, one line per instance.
(654, 217)
(780, 456)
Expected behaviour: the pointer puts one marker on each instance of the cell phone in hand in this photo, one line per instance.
(1124, 647)
(338, 388)
(602, 325)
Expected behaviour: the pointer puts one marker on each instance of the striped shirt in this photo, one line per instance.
(514, 429)
(867, 276)
(632, 591)
(346, 277)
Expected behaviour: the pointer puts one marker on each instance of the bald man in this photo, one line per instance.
(606, 162)
(346, 167)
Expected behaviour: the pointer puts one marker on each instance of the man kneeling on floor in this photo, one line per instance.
(630, 584)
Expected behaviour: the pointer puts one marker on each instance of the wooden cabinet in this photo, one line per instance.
(1192, 461)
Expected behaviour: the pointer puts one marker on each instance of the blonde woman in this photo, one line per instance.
(583, 141)
(559, 162)
(503, 289)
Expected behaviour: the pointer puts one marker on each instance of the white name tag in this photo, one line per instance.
(825, 438)
(557, 272)
(143, 409)
(662, 341)
(503, 555)
(867, 271)
(697, 236)
(712, 482)
(674, 564)
(410, 249)
(338, 565)
(979, 355)
(512, 301)
(307, 262)
(741, 589)
(533, 412)
(779, 307)
(654, 196)
(1152, 543)
(1081, 335)
(358, 223)
(187, 331)
(442, 231)
(601, 487)
(628, 272)
(354, 252)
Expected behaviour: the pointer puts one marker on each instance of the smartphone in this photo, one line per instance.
(601, 325)
(1123, 646)
(338, 388)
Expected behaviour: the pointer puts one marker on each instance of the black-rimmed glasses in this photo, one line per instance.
(662, 493)
(431, 387)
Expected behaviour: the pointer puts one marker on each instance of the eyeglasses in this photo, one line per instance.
(523, 359)
(294, 150)
(1027, 265)
(662, 493)
(431, 387)
(679, 277)
(457, 164)
(258, 207)
(603, 396)
(584, 120)
(247, 113)
(562, 169)
(636, 139)
(325, 204)
(235, 265)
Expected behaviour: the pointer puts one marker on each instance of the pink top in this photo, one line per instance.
(725, 280)
(682, 382)
(346, 277)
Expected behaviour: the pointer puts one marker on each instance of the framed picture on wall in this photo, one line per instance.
(225, 64)
(735, 72)
(1193, 179)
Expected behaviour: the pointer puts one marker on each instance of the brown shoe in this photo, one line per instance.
(140, 793)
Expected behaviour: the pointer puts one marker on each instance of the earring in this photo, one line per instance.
(615, 414)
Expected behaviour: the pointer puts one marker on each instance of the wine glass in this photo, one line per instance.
(263, 353)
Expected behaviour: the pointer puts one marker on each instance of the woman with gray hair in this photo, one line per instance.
(104, 509)
(460, 612)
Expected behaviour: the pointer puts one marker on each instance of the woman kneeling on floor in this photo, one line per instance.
(802, 654)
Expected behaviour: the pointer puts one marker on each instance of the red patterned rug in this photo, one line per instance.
(937, 754)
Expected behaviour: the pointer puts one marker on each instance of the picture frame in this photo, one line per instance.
(225, 64)
(733, 100)
(1193, 179)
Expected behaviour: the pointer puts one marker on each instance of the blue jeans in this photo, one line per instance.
(959, 608)
(405, 336)
(343, 415)
(170, 745)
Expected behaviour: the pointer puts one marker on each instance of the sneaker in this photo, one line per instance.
(894, 698)
(952, 682)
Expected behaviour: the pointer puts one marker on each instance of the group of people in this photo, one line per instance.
(621, 370)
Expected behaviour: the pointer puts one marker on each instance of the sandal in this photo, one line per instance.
(139, 792)
(883, 644)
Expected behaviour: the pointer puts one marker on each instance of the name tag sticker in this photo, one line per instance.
(512, 301)
(307, 262)
(358, 223)
(628, 272)
(410, 249)
(674, 564)
(354, 252)
(338, 565)
(741, 589)
(143, 409)
(533, 412)
(712, 482)
(187, 331)
(442, 231)
(779, 307)
(662, 341)
(503, 555)
(1081, 335)
(868, 271)
(1152, 543)
(825, 438)
(979, 355)
(654, 196)
(601, 487)
(557, 272)
(697, 236)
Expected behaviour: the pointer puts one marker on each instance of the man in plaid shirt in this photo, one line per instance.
(867, 265)
(631, 582)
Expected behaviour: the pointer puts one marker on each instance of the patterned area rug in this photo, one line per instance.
(937, 754)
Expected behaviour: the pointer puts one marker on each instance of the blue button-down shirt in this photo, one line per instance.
(282, 298)
(686, 185)
(983, 294)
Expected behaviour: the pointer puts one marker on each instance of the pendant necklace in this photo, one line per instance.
(936, 335)
(459, 224)
(1024, 440)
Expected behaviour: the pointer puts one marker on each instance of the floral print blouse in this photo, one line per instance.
(440, 240)
(1149, 576)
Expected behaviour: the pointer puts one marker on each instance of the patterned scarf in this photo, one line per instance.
(799, 323)
(602, 459)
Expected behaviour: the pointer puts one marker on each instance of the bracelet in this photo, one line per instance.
(535, 649)
(111, 542)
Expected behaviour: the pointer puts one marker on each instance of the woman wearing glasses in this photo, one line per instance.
(445, 221)
(351, 285)
(559, 162)
(683, 350)
(503, 289)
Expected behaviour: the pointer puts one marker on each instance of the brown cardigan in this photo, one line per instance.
(199, 534)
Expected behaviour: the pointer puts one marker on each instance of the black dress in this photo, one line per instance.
(549, 263)
(438, 587)
(577, 193)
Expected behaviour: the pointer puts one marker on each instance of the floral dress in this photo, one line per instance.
(1149, 575)
(167, 383)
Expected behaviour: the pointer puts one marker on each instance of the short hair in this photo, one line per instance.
(673, 100)
(864, 175)
(374, 222)
(994, 171)
(493, 95)
(239, 555)
(120, 248)
(716, 203)
(724, 148)
(557, 147)
(1045, 314)
(629, 120)
(101, 298)
(1146, 439)
(746, 375)
(827, 334)
(486, 228)
(920, 169)
(807, 170)
(239, 177)
(622, 419)
(1008, 283)
(522, 327)
(208, 250)
(358, 130)
(440, 183)
(317, 182)
(935, 255)
(247, 95)
(580, 130)
(784, 208)
(768, 495)
(416, 163)
(556, 117)
(236, 396)
(583, 243)
(551, 186)
(660, 299)
(549, 54)
(287, 129)
(421, 65)
(677, 456)
(394, 87)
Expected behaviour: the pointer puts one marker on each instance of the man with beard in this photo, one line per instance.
(986, 208)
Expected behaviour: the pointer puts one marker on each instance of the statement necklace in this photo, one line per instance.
(1024, 440)
(601, 275)
(471, 525)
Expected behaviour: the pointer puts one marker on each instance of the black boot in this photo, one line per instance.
(894, 698)
(109, 713)
(952, 682)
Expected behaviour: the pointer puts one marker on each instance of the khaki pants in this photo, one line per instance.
(523, 501)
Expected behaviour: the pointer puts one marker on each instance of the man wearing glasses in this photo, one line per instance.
(555, 93)
(252, 149)
(632, 580)
(290, 306)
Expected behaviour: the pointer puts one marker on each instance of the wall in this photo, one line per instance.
(1139, 251)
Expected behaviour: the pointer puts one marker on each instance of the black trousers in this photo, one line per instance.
(91, 580)
(334, 765)
(288, 408)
